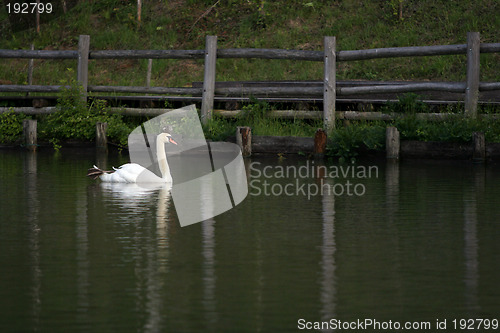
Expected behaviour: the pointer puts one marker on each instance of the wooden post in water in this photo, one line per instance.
(207, 103)
(101, 140)
(244, 140)
(472, 85)
(29, 131)
(392, 142)
(329, 82)
(320, 139)
(83, 63)
(479, 148)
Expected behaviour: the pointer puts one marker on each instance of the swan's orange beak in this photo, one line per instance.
(172, 141)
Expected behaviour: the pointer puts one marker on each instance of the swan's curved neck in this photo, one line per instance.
(162, 159)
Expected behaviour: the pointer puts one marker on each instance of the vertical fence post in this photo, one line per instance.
(320, 139)
(139, 11)
(31, 64)
(37, 17)
(329, 83)
(207, 103)
(101, 139)
(148, 74)
(244, 140)
(472, 85)
(83, 63)
(29, 130)
(479, 147)
(392, 144)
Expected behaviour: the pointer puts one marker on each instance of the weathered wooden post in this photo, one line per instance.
(101, 140)
(83, 63)
(320, 139)
(392, 142)
(31, 64)
(139, 13)
(479, 147)
(37, 17)
(472, 85)
(329, 82)
(244, 140)
(207, 103)
(29, 131)
(148, 74)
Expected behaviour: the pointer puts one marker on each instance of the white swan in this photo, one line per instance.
(135, 173)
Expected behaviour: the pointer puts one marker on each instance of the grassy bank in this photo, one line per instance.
(295, 24)
(76, 120)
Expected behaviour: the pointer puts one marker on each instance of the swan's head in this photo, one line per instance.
(166, 138)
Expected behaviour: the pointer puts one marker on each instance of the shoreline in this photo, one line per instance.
(304, 146)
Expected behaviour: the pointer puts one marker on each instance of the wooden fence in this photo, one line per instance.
(328, 91)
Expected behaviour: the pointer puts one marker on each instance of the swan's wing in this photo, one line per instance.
(135, 173)
(126, 173)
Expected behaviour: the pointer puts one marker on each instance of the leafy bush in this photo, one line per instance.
(347, 142)
(219, 128)
(257, 116)
(456, 129)
(11, 126)
(75, 119)
(409, 103)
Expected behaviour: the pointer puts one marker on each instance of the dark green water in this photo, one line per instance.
(422, 243)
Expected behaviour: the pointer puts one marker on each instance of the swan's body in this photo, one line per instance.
(135, 173)
(129, 173)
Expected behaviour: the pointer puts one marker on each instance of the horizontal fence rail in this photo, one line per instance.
(285, 114)
(326, 90)
(146, 90)
(38, 54)
(458, 87)
(31, 88)
(390, 52)
(147, 54)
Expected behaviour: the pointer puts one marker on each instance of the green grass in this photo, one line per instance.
(76, 120)
(257, 116)
(295, 24)
(347, 142)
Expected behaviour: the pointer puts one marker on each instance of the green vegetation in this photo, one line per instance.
(348, 141)
(75, 119)
(458, 129)
(257, 116)
(291, 24)
(294, 24)
(11, 126)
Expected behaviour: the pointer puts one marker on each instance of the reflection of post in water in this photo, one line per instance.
(392, 186)
(392, 207)
(30, 169)
(209, 277)
(101, 159)
(162, 227)
(82, 258)
(247, 162)
(157, 265)
(328, 282)
(470, 237)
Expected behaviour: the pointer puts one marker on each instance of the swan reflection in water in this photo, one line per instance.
(137, 199)
(151, 251)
